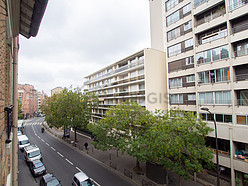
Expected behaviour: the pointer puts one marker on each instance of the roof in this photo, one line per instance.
(48, 177)
(22, 137)
(31, 148)
(26, 16)
(81, 176)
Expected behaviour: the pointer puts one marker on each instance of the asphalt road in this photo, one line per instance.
(63, 161)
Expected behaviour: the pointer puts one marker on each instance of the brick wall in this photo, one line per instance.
(5, 90)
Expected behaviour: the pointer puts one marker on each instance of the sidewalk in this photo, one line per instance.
(122, 163)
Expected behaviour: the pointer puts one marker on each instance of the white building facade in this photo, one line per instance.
(206, 45)
(140, 77)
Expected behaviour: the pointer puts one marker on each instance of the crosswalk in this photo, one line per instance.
(28, 124)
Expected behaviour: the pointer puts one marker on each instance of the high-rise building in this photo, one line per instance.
(140, 77)
(206, 43)
(41, 96)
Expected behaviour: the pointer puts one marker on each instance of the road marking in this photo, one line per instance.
(69, 161)
(47, 144)
(42, 140)
(38, 137)
(79, 169)
(60, 154)
(53, 149)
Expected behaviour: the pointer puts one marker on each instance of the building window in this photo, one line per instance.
(189, 60)
(171, 4)
(242, 49)
(234, 4)
(191, 97)
(220, 97)
(189, 43)
(241, 120)
(133, 88)
(141, 86)
(187, 8)
(188, 26)
(141, 72)
(176, 98)
(190, 78)
(222, 118)
(177, 82)
(199, 2)
(172, 18)
(173, 34)
(213, 55)
(133, 74)
(174, 50)
(213, 76)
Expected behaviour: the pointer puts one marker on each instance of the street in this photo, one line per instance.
(63, 161)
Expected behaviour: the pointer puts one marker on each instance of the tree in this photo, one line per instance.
(177, 141)
(20, 115)
(70, 108)
(121, 128)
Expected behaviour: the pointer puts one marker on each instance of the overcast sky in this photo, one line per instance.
(77, 38)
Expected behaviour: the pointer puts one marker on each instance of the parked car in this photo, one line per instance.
(37, 168)
(20, 126)
(19, 133)
(23, 141)
(31, 153)
(81, 179)
(49, 180)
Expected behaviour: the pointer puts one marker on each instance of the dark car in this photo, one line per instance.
(49, 180)
(37, 168)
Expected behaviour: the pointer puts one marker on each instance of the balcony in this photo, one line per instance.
(116, 71)
(206, 4)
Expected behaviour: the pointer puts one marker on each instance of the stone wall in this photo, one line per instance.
(5, 92)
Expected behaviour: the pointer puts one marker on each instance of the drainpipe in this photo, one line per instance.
(15, 114)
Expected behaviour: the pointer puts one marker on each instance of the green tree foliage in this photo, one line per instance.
(174, 139)
(121, 128)
(20, 115)
(177, 141)
(70, 108)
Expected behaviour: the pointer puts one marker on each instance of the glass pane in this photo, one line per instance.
(216, 54)
(224, 52)
(228, 118)
(219, 117)
(241, 120)
(207, 56)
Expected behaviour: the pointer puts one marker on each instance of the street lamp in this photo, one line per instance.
(216, 141)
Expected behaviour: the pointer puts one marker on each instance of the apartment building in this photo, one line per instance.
(140, 77)
(56, 90)
(206, 43)
(41, 96)
(28, 97)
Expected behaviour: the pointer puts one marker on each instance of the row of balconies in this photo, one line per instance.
(120, 82)
(116, 71)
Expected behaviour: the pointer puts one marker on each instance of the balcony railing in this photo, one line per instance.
(180, 67)
(241, 77)
(242, 102)
(238, 53)
(129, 66)
(238, 4)
(215, 102)
(212, 37)
(211, 17)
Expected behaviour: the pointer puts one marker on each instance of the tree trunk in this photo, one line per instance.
(179, 181)
(75, 135)
(138, 165)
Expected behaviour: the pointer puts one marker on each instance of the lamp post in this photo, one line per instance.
(216, 141)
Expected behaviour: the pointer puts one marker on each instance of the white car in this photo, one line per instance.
(23, 141)
(81, 179)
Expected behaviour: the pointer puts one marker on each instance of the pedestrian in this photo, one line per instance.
(86, 145)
